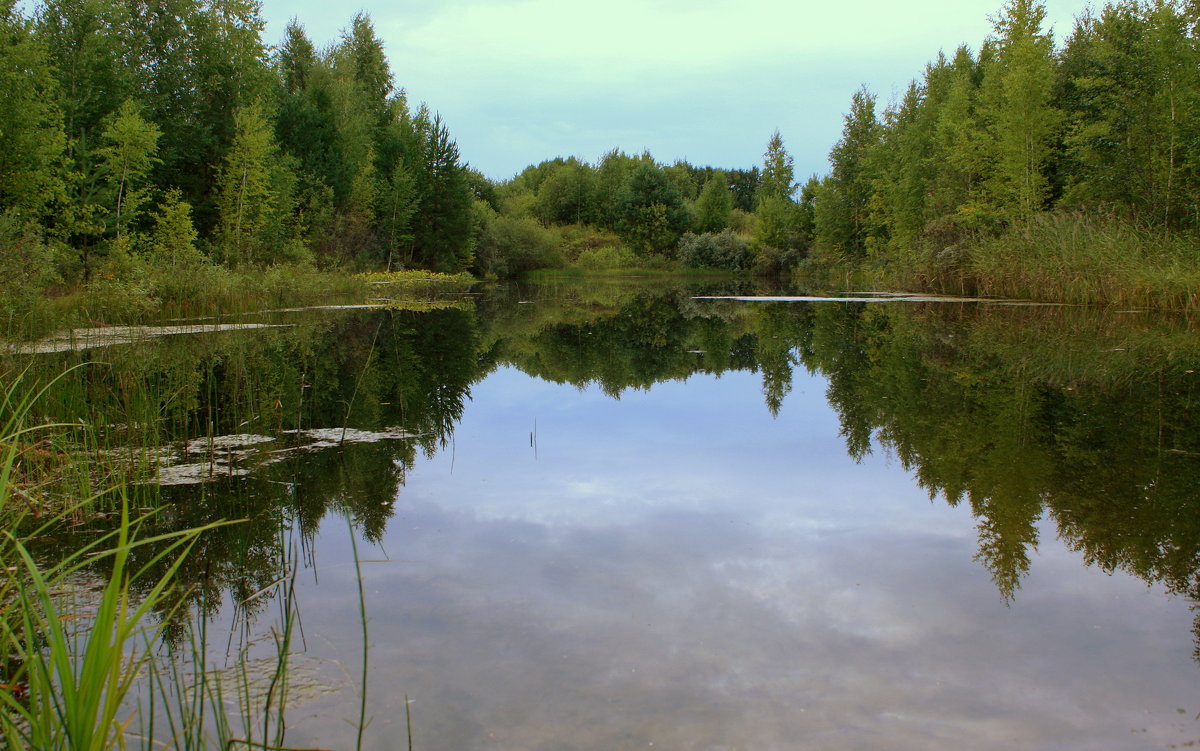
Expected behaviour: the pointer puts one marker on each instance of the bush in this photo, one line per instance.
(771, 261)
(721, 250)
(506, 246)
(606, 258)
(26, 267)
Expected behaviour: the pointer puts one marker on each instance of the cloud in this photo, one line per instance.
(520, 81)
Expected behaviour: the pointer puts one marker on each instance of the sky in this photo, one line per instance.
(708, 81)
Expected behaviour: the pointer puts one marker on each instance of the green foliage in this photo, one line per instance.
(721, 250)
(1017, 109)
(26, 266)
(173, 242)
(566, 194)
(1129, 78)
(778, 223)
(606, 258)
(443, 224)
(778, 178)
(985, 146)
(842, 223)
(508, 245)
(712, 209)
(255, 193)
(126, 158)
(652, 214)
(33, 143)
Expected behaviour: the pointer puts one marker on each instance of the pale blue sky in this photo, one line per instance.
(519, 81)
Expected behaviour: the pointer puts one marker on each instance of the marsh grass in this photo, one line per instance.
(84, 662)
(1063, 257)
(203, 290)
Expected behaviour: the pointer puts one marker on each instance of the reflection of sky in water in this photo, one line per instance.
(677, 568)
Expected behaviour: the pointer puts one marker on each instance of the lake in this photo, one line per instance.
(625, 514)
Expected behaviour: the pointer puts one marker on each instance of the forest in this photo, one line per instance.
(152, 144)
(156, 148)
(1021, 169)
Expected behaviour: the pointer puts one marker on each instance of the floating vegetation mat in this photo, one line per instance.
(105, 336)
(872, 297)
(206, 459)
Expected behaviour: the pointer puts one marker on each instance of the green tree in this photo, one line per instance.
(399, 202)
(443, 225)
(777, 177)
(566, 194)
(652, 214)
(173, 241)
(1129, 92)
(126, 157)
(960, 143)
(841, 213)
(246, 190)
(711, 212)
(32, 141)
(90, 55)
(1016, 102)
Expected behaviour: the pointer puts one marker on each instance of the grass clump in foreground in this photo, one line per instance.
(71, 661)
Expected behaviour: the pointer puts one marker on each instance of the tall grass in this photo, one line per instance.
(76, 668)
(73, 656)
(1064, 257)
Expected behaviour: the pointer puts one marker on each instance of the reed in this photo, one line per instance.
(1064, 257)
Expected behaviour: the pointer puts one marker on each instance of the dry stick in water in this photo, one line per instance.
(362, 611)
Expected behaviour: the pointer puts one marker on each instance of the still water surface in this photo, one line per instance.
(629, 518)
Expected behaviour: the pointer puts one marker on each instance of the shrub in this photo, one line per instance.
(772, 261)
(606, 258)
(26, 267)
(721, 250)
(507, 246)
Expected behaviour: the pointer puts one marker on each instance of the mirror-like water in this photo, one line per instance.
(625, 517)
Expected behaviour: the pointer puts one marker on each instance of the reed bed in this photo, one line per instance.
(1068, 258)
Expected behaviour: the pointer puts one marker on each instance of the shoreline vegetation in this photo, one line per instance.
(162, 160)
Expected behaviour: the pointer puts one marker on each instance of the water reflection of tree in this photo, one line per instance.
(1087, 422)
(369, 371)
(1085, 419)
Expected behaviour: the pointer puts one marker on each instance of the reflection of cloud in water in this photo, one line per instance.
(510, 635)
(620, 595)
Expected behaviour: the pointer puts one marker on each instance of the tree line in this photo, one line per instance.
(167, 133)
(650, 212)
(1105, 126)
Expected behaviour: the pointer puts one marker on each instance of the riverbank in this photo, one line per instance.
(209, 289)
(1065, 258)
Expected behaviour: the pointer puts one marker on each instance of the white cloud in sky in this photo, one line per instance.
(519, 81)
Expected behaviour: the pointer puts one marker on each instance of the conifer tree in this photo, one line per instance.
(777, 177)
(173, 241)
(443, 225)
